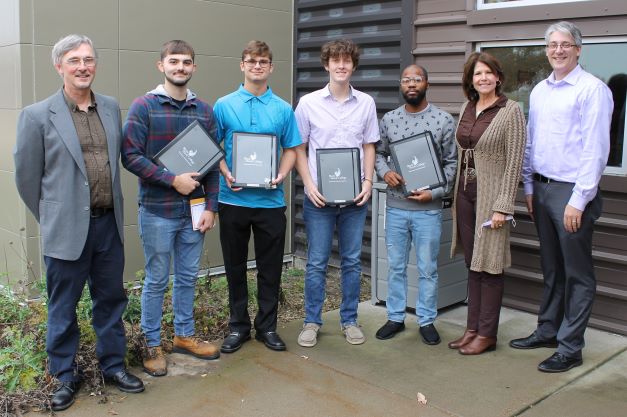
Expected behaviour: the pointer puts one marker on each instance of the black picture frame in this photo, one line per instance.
(417, 162)
(255, 160)
(192, 150)
(339, 174)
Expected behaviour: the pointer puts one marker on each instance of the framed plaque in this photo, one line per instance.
(339, 174)
(192, 150)
(255, 160)
(418, 162)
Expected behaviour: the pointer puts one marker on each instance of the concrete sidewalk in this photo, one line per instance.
(382, 378)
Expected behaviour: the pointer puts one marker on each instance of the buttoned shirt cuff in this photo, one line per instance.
(577, 202)
(528, 186)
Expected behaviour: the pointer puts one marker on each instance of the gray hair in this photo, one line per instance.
(566, 28)
(67, 43)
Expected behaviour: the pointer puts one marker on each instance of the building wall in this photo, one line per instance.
(446, 32)
(128, 35)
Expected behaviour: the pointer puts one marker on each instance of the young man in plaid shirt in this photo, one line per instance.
(164, 222)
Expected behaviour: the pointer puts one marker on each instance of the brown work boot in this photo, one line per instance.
(195, 346)
(154, 361)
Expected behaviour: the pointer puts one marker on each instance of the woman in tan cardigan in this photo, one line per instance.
(490, 142)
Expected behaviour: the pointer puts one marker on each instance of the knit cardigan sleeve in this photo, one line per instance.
(514, 150)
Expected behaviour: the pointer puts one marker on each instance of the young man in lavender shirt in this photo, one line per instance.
(336, 116)
(566, 153)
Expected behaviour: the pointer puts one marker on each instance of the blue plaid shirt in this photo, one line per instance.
(153, 121)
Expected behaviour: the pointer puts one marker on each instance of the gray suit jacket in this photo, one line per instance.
(51, 176)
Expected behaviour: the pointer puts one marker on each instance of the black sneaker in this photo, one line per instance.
(389, 329)
(429, 334)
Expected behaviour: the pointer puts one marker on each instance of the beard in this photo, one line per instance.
(415, 101)
(179, 82)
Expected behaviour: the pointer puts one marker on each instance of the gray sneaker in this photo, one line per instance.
(353, 334)
(308, 337)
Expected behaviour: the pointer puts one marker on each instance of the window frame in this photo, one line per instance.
(609, 170)
(482, 5)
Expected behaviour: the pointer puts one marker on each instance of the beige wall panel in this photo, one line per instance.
(26, 20)
(11, 218)
(282, 5)
(8, 121)
(95, 18)
(9, 72)
(26, 95)
(133, 253)
(47, 81)
(439, 6)
(212, 28)
(9, 23)
(19, 258)
(129, 191)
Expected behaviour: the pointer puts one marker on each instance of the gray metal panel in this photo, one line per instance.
(452, 275)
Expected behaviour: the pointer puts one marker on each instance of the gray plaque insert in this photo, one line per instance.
(339, 174)
(255, 160)
(418, 163)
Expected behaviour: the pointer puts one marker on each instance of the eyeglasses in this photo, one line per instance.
(88, 61)
(408, 80)
(252, 63)
(564, 45)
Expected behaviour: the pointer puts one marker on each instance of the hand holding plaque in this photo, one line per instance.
(418, 163)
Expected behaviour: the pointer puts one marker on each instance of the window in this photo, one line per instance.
(498, 4)
(525, 64)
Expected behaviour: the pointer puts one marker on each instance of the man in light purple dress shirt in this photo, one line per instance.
(336, 116)
(567, 150)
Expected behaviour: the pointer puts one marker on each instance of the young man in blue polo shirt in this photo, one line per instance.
(253, 108)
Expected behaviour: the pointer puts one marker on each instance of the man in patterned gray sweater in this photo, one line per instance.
(418, 217)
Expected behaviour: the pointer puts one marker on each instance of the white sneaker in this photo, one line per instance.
(308, 337)
(353, 334)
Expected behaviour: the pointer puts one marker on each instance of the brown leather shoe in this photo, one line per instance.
(195, 346)
(466, 338)
(154, 361)
(479, 345)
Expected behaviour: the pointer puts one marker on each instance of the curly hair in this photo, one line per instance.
(338, 48)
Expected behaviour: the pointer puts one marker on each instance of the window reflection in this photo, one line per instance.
(525, 66)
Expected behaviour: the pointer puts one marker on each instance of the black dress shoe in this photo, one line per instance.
(271, 340)
(63, 396)
(429, 334)
(389, 329)
(532, 342)
(234, 341)
(125, 381)
(559, 363)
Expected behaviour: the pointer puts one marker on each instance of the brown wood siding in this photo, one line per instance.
(446, 31)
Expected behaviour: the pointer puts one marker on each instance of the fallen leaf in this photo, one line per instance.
(304, 357)
(203, 375)
(113, 412)
(421, 398)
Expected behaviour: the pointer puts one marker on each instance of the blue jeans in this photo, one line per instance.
(165, 239)
(423, 228)
(320, 224)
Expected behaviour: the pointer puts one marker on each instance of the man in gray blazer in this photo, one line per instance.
(67, 172)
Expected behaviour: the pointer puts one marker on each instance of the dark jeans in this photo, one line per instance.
(268, 227)
(101, 264)
(485, 291)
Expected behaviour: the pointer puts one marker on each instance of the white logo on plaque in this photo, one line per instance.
(337, 176)
(415, 164)
(252, 159)
(188, 155)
